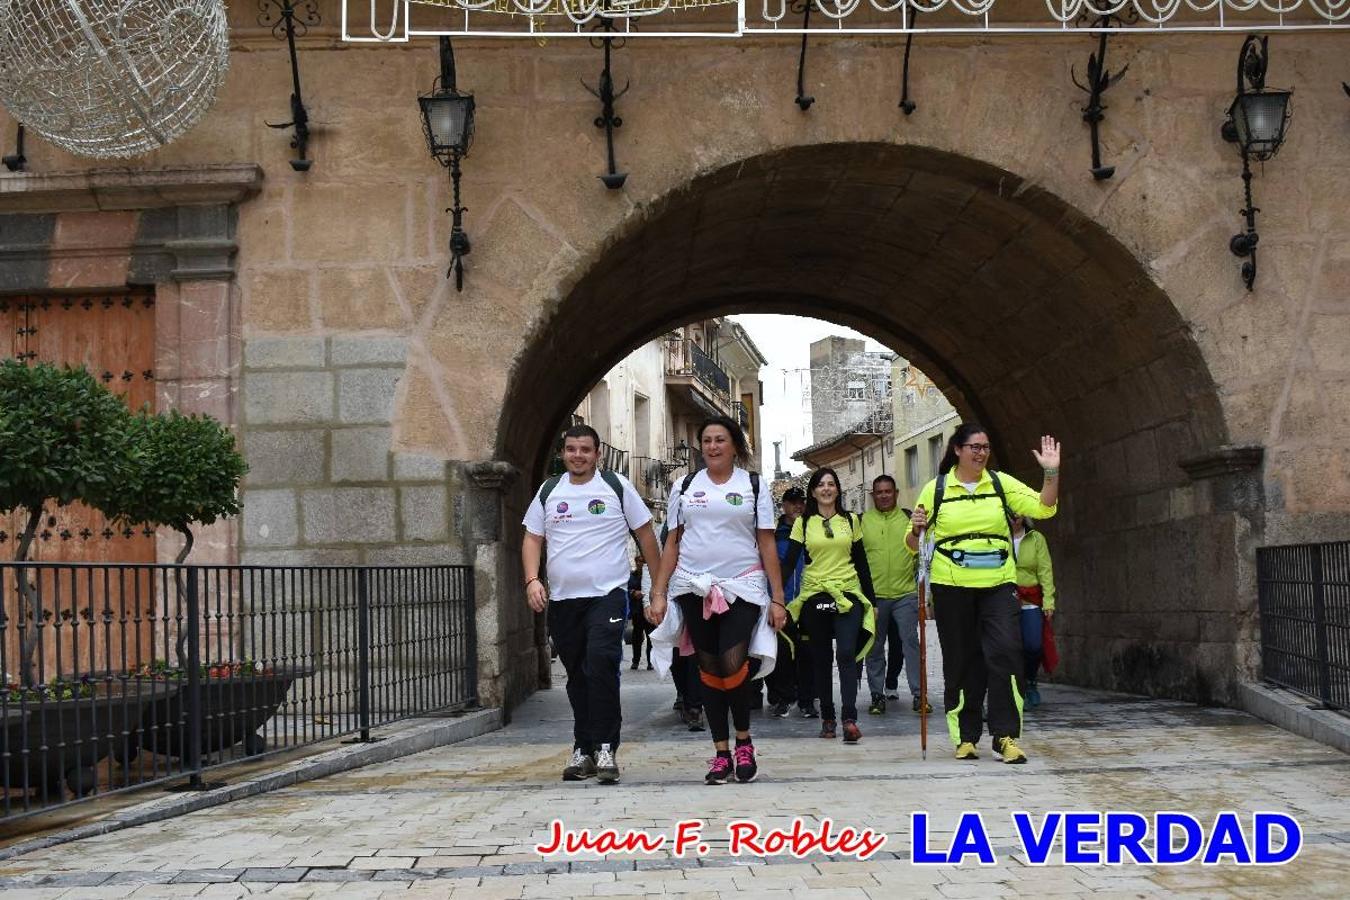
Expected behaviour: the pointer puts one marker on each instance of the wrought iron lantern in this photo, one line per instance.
(1257, 121)
(447, 121)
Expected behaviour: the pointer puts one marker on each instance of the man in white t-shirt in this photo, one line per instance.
(585, 517)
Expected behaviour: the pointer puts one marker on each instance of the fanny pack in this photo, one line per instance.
(976, 559)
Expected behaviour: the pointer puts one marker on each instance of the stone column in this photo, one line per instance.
(508, 656)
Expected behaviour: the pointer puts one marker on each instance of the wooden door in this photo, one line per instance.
(95, 620)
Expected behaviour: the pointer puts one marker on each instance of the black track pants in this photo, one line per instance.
(588, 632)
(981, 634)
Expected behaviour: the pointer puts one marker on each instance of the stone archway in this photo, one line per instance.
(1032, 319)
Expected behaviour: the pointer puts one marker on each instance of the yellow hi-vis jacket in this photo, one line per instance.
(982, 515)
(892, 568)
(1033, 566)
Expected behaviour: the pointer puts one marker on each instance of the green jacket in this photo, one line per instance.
(1033, 567)
(893, 566)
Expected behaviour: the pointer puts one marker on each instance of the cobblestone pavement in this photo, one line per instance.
(462, 821)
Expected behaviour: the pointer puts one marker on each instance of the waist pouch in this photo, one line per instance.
(976, 559)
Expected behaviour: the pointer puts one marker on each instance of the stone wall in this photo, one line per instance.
(1159, 353)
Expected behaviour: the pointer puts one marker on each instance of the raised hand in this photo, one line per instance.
(1048, 457)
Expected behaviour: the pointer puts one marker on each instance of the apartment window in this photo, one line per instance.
(935, 453)
(912, 466)
(856, 390)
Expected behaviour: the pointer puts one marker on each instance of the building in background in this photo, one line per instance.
(857, 454)
(847, 383)
(923, 421)
(647, 408)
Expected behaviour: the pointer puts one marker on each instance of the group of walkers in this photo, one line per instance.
(734, 593)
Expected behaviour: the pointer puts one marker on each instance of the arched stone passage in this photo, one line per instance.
(1032, 319)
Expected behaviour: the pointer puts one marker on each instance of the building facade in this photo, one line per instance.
(647, 409)
(388, 417)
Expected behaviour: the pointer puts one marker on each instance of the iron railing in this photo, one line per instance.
(612, 458)
(686, 358)
(1304, 600)
(741, 414)
(121, 676)
(649, 476)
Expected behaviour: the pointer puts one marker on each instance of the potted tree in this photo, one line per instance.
(63, 437)
(188, 474)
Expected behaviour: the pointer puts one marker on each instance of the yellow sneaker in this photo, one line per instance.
(1011, 753)
(967, 751)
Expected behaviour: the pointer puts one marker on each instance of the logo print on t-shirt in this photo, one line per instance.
(562, 507)
(700, 494)
(735, 499)
(596, 507)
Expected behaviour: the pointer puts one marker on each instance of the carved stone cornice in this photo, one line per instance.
(492, 474)
(128, 189)
(1226, 460)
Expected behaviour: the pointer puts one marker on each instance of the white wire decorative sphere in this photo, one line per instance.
(111, 78)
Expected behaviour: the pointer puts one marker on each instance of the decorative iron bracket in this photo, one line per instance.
(803, 100)
(16, 161)
(1099, 79)
(907, 105)
(605, 93)
(459, 238)
(281, 16)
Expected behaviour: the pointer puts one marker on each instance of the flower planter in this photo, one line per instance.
(55, 742)
(234, 709)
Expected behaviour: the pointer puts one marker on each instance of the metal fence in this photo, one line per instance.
(120, 676)
(1304, 595)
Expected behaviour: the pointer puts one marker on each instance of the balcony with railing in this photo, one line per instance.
(686, 359)
(612, 458)
(648, 475)
(741, 413)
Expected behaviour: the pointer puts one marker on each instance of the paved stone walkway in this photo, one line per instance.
(463, 820)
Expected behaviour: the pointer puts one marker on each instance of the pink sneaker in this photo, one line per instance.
(719, 770)
(746, 770)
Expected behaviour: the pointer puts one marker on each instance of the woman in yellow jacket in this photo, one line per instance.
(1036, 593)
(835, 605)
(973, 584)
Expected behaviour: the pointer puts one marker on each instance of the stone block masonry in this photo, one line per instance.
(325, 485)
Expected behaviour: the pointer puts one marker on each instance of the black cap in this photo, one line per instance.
(794, 494)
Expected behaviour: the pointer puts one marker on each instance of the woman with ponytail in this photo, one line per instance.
(720, 563)
(835, 605)
(964, 512)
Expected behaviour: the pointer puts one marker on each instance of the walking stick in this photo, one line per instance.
(925, 558)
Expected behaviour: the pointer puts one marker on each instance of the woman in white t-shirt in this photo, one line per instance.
(721, 564)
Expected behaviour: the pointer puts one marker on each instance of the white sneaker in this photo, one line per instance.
(580, 767)
(606, 765)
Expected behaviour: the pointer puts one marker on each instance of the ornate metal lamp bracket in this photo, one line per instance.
(907, 105)
(605, 93)
(1099, 80)
(803, 100)
(289, 21)
(16, 161)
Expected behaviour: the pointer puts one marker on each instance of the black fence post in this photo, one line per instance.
(1320, 627)
(471, 627)
(194, 682)
(363, 648)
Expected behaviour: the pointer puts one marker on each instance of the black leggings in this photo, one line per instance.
(722, 645)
